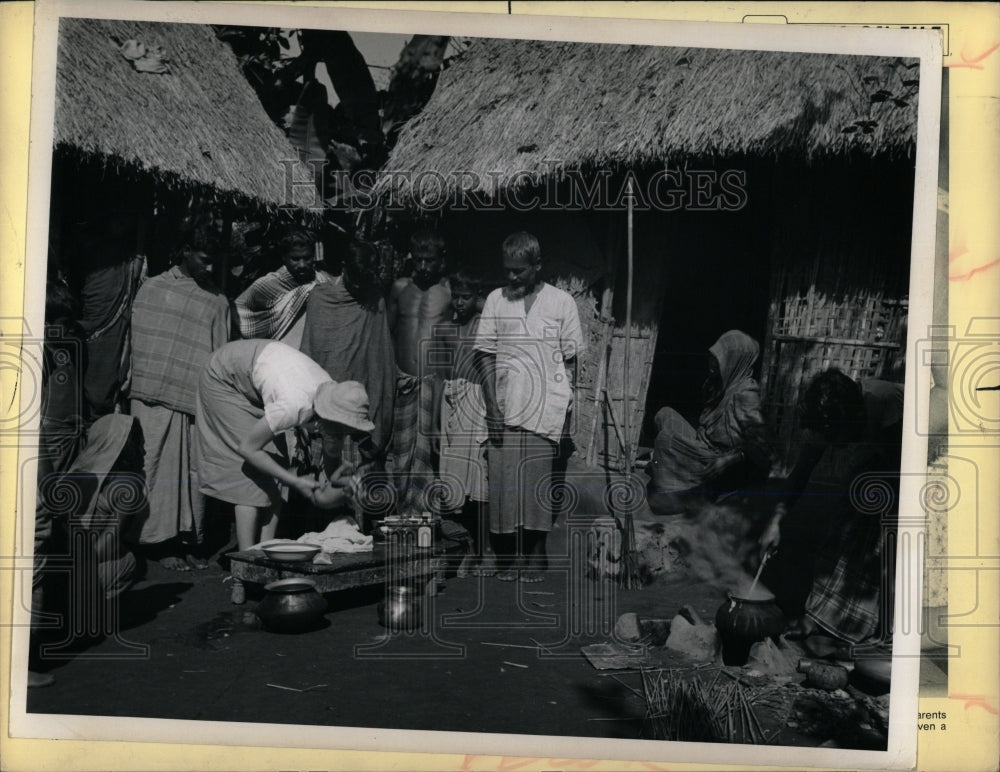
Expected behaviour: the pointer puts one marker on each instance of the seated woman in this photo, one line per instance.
(728, 449)
(252, 391)
(848, 471)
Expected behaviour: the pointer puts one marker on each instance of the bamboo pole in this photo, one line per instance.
(630, 574)
(627, 419)
(607, 322)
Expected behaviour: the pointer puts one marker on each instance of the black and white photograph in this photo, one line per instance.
(534, 386)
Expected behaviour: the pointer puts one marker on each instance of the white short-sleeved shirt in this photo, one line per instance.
(533, 386)
(287, 381)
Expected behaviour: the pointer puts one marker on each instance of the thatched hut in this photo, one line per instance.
(149, 111)
(774, 195)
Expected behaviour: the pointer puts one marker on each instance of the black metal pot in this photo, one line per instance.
(291, 606)
(400, 609)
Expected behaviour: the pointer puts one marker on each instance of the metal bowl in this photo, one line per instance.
(292, 553)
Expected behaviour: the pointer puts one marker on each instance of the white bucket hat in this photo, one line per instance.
(346, 403)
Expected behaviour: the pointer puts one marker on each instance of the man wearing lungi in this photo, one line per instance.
(106, 280)
(347, 334)
(274, 306)
(416, 306)
(529, 339)
(178, 319)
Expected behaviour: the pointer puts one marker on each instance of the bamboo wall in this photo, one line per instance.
(839, 288)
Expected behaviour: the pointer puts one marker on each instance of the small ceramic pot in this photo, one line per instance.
(400, 609)
(742, 623)
(290, 606)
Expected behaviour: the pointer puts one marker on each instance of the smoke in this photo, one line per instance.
(717, 548)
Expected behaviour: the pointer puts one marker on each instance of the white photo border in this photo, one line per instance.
(925, 45)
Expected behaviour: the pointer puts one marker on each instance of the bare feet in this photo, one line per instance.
(195, 562)
(826, 647)
(174, 563)
(529, 576)
(507, 575)
(467, 567)
(487, 566)
(800, 629)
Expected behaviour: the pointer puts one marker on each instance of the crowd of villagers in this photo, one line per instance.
(163, 396)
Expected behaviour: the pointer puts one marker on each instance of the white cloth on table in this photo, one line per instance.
(340, 536)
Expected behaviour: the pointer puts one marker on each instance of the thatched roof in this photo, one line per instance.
(199, 124)
(507, 107)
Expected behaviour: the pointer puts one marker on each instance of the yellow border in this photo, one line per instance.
(973, 29)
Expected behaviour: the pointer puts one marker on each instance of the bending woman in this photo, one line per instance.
(251, 392)
(729, 446)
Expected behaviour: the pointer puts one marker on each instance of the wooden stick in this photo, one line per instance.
(541, 646)
(760, 569)
(632, 689)
(756, 720)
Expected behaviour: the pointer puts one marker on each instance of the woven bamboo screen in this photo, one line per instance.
(863, 336)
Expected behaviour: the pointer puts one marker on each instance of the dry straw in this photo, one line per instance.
(508, 109)
(686, 709)
(199, 124)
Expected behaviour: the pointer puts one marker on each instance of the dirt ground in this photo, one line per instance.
(188, 653)
(193, 655)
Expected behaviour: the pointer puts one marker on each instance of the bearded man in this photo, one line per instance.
(529, 339)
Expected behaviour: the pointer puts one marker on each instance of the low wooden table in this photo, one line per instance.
(347, 570)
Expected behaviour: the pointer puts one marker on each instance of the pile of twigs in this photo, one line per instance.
(686, 710)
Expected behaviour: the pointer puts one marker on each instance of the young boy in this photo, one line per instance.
(463, 420)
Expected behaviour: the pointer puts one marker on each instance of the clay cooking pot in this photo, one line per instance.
(742, 622)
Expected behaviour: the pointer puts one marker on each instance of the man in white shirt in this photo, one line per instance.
(528, 341)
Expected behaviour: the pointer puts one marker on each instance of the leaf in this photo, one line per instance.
(132, 50)
(901, 103)
(143, 59)
(881, 95)
(871, 79)
(849, 129)
(683, 61)
(913, 82)
(303, 132)
(867, 130)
